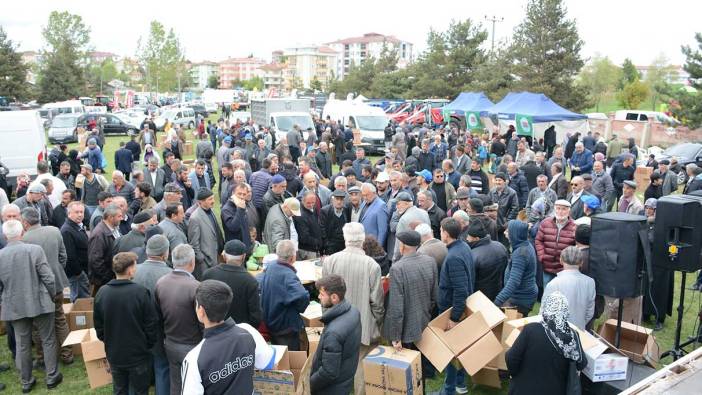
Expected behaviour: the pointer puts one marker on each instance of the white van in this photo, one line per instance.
(66, 107)
(370, 121)
(645, 116)
(26, 129)
(183, 116)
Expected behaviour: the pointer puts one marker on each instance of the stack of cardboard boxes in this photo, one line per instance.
(85, 342)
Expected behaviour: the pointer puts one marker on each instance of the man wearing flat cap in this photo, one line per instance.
(204, 233)
(33, 198)
(412, 296)
(404, 215)
(136, 237)
(232, 272)
(670, 179)
(629, 203)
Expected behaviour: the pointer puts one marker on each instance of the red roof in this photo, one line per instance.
(325, 49)
(367, 38)
(272, 67)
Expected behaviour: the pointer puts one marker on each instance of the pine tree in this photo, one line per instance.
(13, 72)
(629, 73)
(61, 77)
(546, 54)
(690, 109)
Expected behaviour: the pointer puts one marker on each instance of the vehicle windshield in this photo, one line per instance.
(64, 122)
(372, 122)
(169, 114)
(683, 151)
(65, 110)
(286, 122)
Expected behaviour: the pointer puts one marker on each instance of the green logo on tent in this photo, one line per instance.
(472, 120)
(524, 125)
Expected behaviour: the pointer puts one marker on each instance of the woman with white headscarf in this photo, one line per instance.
(539, 361)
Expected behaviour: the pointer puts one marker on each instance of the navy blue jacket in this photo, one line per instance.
(235, 224)
(123, 160)
(520, 276)
(283, 298)
(456, 280)
(520, 185)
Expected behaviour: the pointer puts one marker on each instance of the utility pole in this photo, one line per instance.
(494, 19)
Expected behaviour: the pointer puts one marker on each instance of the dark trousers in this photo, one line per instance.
(134, 380)
(290, 339)
(294, 152)
(176, 352)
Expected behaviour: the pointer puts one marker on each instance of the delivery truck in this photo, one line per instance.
(282, 114)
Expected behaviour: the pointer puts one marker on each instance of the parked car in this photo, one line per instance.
(178, 116)
(685, 153)
(25, 127)
(211, 107)
(111, 124)
(64, 128)
(200, 109)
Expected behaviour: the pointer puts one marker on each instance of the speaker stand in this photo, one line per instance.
(677, 351)
(618, 332)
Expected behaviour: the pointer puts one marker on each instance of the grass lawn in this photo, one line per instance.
(75, 379)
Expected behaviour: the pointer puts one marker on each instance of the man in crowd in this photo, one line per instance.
(147, 275)
(232, 272)
(670, 179)
(456, 283)
(362, 276)
(489, 258)
(436, 214)
(332, 219)
(50, 240)
(336, 360)
(126, 321)
(308, 228)
(581, 161)
(172, 226)
(234, 219)
(204, 233)
(554, 235)
(28, 294)
(518, 183)
(374, 215)
(578, 288)
(602, 186)
(621, 171)
(142, 199)
(223, 342)
(359, 162)
(33, 198)
(155, 177)
(175, 297)
(540, 191)
(431, 246)
(171, 194)
(276, 194)
(577, 186)
(279, 224)
(412, 295)
(120, 187)
(629, 203)
(100, 247)
(75, 240)
(508, 205)
(478, 179)
(283, 298)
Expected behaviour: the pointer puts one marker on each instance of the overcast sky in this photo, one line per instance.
(215, 30)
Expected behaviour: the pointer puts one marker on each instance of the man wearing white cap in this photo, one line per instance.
(279, 224)
(554, 235)
(33, 197)
(629, 203)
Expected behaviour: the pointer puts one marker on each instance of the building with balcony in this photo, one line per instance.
(201, 72)
(238, 69)
(306, 64)
(355, 50)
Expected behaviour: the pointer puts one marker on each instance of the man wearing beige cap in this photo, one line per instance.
(279, 224)
(629, 203)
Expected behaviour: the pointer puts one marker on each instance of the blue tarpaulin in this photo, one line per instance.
(536, 105)
(468, 102)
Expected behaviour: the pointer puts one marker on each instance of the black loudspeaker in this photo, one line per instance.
(677, 241)
(617, 256)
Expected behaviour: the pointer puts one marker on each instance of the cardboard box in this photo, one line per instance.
(93, 351)
(510, 326)
(604, 361)
(487, 376)
(290, 376)
(499, 361)
(474, 332)
(637, 342)
(313, 336)
(311, 316)
(67, 307)
(81, 314)
(387, 371)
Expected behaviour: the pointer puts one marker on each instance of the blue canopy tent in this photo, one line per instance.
(468, 102)
(536, 105)
(542, 110)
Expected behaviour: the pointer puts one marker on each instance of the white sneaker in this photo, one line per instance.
(461, 390)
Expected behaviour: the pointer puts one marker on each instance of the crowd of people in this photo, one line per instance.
(442, 214)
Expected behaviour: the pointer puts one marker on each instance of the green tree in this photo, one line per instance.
(629, 73)
(658, 78)
(601, 77)
(450, 61)
(494, 77)
(63, 73)
(546, 54)
(316, 84)
(99, 74)
(13, 71)
(66, 29)
(61, 77)
(633, 94)
(163, 60)
(689, 110)
(255, 83)
(213, 81)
